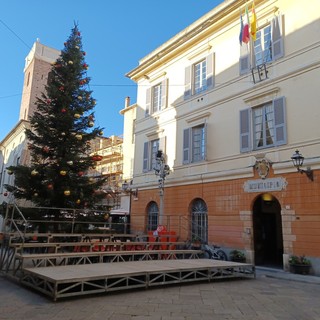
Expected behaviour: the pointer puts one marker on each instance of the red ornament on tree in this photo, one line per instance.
(63, 110)
(96, 157)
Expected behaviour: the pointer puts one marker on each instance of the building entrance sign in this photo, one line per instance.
(265, 185)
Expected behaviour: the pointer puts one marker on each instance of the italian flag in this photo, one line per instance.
(246, 33)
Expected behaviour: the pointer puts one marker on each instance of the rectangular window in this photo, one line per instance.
(263, 126)
(198, 143)
(156, 98)
(200, 76)
(267, 47)
(263, 46)
(194, 144)
(154, 149)
(150, 151)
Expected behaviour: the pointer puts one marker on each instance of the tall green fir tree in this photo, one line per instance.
(61, 130)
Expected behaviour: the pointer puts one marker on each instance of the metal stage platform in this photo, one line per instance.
(75, 280)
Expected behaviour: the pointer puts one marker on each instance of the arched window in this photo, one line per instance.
(199, 220)
(153, 213)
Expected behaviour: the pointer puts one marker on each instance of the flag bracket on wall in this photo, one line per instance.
(259, 73)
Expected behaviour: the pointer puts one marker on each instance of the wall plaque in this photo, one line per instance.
(264, 185)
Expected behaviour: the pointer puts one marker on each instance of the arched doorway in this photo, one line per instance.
(267, 226)
(199, 220)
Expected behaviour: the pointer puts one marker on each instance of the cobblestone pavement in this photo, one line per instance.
(270, 296)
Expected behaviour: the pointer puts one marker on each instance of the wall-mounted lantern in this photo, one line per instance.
(297, 160)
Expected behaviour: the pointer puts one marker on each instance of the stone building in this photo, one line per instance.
(228, 117)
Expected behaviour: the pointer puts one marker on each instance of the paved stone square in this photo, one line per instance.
(269, 298)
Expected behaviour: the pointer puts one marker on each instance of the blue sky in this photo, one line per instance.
(116, 35)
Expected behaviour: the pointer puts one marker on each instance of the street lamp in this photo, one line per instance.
(126, 188)
(297, 160)
(161, 170)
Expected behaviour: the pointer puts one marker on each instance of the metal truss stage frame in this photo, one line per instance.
(75, 280)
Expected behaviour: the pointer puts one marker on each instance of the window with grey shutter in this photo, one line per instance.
(205, 141)
(145, 157)
(210, 71)
(277, 37)
(186, 146)
(148, 102)
(187, 82)
(280, 121)
(164, 88)
(244, 64)
(245, 130)
(162, 144)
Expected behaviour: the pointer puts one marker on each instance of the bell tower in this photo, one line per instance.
(36, 70)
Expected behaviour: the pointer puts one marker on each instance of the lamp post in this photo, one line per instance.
(161, 170)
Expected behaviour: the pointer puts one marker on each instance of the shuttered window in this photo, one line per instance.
(156, 97)
(150, 149)
(194, 144)
(199, 77)
(267, 47)
(264, 125)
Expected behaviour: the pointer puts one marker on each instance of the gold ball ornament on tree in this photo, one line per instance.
(63, 172)
(91, 124)
(79, 137)
(79, 98)
(34, 172)
(78, 201)
(70, 62)
(77, 115)
(67, 192)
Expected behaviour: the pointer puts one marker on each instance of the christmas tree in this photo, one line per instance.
(59, 137)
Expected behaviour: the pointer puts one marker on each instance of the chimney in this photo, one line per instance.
(127, 102)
